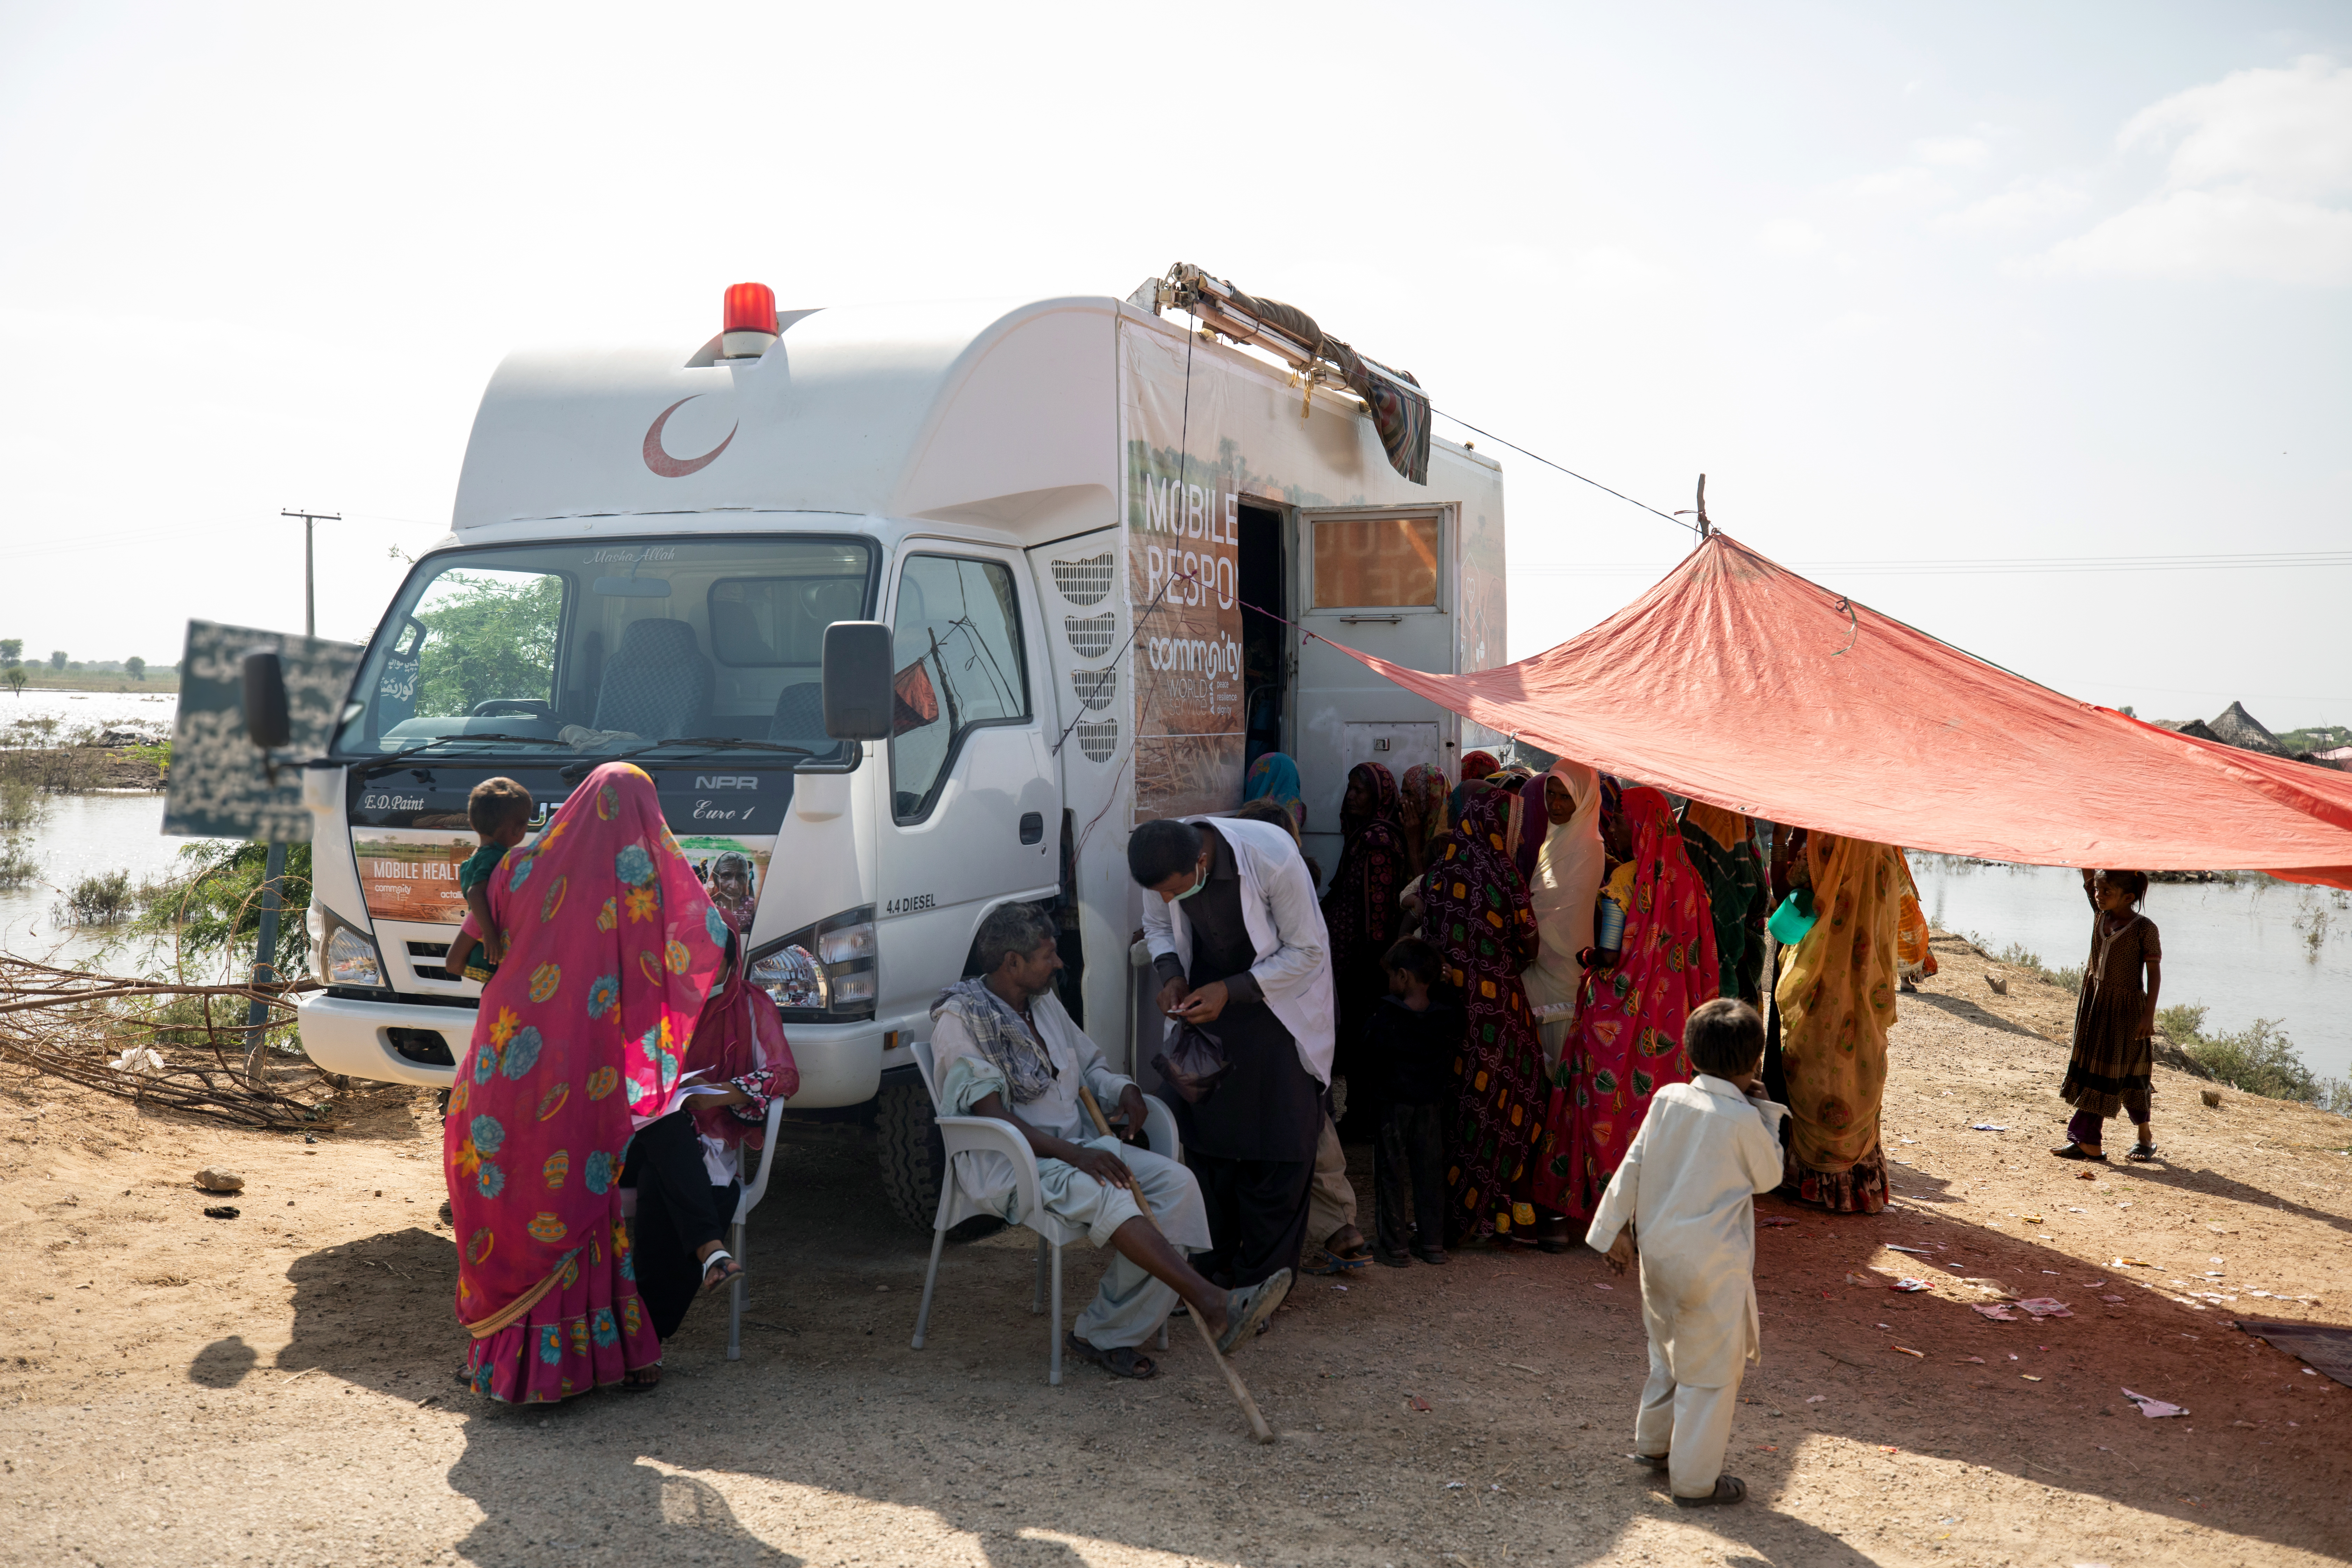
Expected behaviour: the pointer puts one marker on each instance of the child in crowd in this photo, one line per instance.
(1688, 1188)
(500, 811)
(1410, 1049)
(2113, 1058)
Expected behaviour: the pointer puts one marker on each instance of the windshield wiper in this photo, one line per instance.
(586, 766)
(423, 746)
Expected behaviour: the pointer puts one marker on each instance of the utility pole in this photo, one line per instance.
(273, 870)
(309, 581)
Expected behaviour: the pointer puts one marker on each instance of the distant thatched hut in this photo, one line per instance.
(2195, 728)
(2238, 728)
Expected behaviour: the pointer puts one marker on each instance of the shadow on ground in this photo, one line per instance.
(967, 1435)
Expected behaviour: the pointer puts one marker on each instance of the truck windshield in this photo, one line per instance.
(611, 646)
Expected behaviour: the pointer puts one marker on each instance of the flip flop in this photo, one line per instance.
(2076, 1152)
(2143, 1154)
(641, 1379)
(1247, 1311)
(724, 1261)
(1119, 1361)
(1334, 1263)
(1728, 1488)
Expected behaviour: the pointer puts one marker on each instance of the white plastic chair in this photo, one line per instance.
(738, 1295)
(986, 1134)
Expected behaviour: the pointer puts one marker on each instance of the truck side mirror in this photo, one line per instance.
(857, 689)
(267, 722)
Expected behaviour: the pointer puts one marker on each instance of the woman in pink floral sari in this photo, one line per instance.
(1628, 1034)
(612, 945)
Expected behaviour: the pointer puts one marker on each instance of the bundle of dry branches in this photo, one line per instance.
(68, 1024)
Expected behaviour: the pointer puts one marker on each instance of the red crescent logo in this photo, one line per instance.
(669, 467)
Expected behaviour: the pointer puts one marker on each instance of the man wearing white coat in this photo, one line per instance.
(1238, 942)
(1687, 1190)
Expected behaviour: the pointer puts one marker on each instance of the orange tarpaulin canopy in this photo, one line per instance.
(1737, 682)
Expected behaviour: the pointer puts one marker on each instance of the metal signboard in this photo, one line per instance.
(221, 784)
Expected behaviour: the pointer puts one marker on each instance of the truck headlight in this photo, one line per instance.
(347, 956)
(822, 972)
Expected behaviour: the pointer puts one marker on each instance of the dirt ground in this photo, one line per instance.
(276, 1388)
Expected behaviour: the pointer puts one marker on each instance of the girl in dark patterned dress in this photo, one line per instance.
(1480, 921)
(1360, 910)
(2115, 1022)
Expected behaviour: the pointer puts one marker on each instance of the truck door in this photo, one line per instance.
(1380, 580)
(975, 805)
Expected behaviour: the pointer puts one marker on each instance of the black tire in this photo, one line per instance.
(913, 1160)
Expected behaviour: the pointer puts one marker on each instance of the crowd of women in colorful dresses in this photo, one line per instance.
(622, 1061)
(1579, 921)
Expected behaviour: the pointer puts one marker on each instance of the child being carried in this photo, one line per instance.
(500, 811)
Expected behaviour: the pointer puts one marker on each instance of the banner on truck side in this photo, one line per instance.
(1183, 512)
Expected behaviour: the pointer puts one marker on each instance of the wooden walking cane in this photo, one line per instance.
(1258, 1428)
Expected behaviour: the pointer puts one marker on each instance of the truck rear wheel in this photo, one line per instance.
(913, 1159)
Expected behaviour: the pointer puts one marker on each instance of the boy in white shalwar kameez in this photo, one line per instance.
(1687, 1190)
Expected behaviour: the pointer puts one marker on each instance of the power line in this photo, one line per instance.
(1572, 473)
(2247, 561)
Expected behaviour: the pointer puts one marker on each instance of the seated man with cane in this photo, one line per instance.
(1005, 1048)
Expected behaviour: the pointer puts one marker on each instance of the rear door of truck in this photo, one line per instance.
(1379, 579)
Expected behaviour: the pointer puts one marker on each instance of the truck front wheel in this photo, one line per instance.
(913, 1159)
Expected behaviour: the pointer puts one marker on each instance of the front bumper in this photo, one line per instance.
(840, 1064)
(343, 1035)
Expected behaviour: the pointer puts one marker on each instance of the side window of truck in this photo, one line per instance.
(957, 640)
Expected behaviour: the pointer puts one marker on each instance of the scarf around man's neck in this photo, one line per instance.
(1001, 1035)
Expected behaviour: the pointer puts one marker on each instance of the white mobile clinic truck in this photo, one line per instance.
(1085, 525)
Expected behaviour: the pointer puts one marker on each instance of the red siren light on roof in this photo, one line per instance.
(749, 327)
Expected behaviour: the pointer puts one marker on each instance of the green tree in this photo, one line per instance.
(486, 636)
(207, 911)
(58, 659)
(14, 676)
(137, 666)
(12, 649)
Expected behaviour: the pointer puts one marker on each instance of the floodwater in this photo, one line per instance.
(81, 835)
(72, 710)
(2243, 949)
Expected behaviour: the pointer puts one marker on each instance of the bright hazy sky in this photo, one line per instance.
(1956, 285)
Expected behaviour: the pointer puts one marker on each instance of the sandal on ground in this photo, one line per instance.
(2142, 1153)
(1430, 1254)
(1119, 1361)
(640, 1378)
(1336, 1263)
(2076, 1152)
(728, 1269)
(1650, 1461)
(1247, 1310)
(1728, 1488)
(1349, 1254)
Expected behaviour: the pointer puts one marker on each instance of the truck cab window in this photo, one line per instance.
(957, 642)
(609, 644)
(489, 640)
